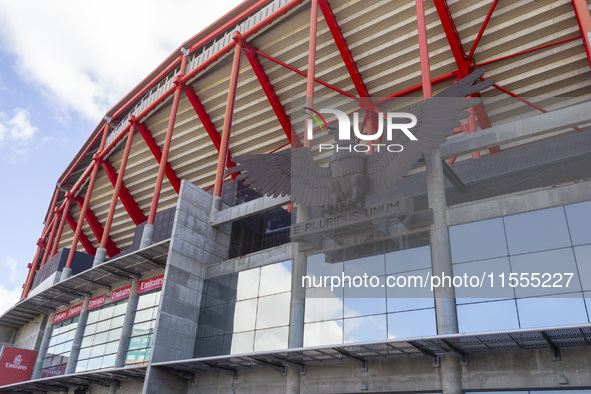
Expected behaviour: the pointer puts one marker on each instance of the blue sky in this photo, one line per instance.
(63, 64)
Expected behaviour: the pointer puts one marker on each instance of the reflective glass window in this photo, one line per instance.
(59, 347)
(491, 288)
(537, 230)
(365, 329)
(323, 333)
(487, 316)
(273, 311)
(142, 329)
(583, 257)
(323, 304)
(371, 265)
(100, 340)
(554, 267)
(257, 306)
(248, 284)
(552, 311)
(275, 278)
(478, 240)
(408, 260)
(412, 324)
(271, 339)
(579, 217)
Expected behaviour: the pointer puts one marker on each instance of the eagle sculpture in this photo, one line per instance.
(351, 176)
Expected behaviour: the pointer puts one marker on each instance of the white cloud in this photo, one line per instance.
(8, 298)
(85, 56)
(16, 133)
(11, 266)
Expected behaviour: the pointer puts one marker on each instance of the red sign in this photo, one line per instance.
(63, 315)
(121, 293)
(96, 302)
(16, 365)
(54, 370)
(150, 284)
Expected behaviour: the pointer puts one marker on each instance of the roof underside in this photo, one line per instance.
(382, 37)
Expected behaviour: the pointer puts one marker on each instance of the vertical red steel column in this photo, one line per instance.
(424, 49)
(149, 227)
(47, 253)
(584, 21)
(58, 236)
(68, 268)
(32, 269)
(40, 244)
(225, 143)
(311, 71)
(101, 252)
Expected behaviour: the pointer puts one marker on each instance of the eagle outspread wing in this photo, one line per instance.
(436, 119)
(294, 172)
(291, 172)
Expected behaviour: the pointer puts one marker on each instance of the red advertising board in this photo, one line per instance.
(150, 284)
(16, 365)
(63, 315)
(121, 293)
(96, 302)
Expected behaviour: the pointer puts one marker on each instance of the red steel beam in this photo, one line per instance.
(40, 245)
(510, 93)
(86, 243)
(84, 208)
(210, 128)
(32, 269)
(118, 187)
(527, 51)
(311, 71)
(131, 206)
(344, 50)
(278, 108)
(151, 142)
(417, 87)
(65, 210)
(231, 101)
(97, 228)
(482, 28)
(55, 222)
(167, 142)
(584, 21)
(424, 49)
(453, 37)
(302, 73)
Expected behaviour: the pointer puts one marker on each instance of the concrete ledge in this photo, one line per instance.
(248, 209)
(563, 118)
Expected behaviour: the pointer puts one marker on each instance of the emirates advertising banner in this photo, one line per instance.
(16, 365)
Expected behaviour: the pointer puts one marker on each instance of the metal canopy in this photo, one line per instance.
(461, 344)
(75, 287)
(85, 379)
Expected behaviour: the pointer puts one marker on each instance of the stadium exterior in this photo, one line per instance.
(157, 272)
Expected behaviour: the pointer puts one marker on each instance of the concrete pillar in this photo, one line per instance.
(127, 324)
(78, 337)
(99, 257)
(147, 235)
(66, 273)
(298, 305)
(43, 348)
(112, 388)
(445, 302)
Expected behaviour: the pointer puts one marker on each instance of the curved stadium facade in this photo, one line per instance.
(160, 271)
